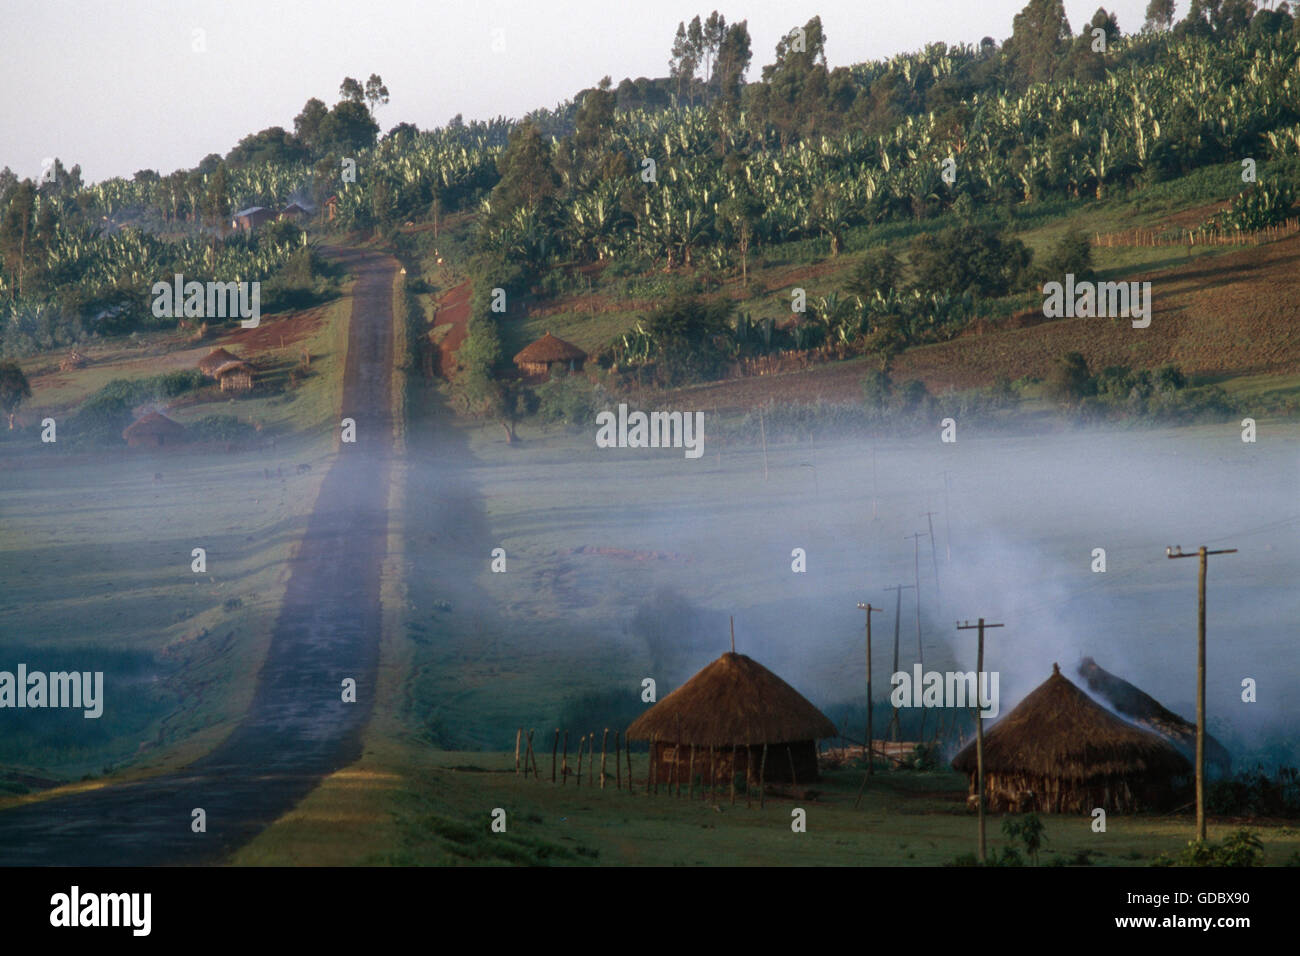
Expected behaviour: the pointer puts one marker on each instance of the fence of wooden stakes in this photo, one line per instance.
(585, 772)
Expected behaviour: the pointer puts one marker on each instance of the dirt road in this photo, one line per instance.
(298, 727)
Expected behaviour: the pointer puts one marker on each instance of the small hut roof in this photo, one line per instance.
(1059, 731)
(153, 423)
(550, 349)
(250, 211)
(734, 701)
(216, 359)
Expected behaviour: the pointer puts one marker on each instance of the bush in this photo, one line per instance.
(1242, 848)
(567, 399)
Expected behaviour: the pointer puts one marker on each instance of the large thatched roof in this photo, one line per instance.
(1145, 711)
(549, 349)
(1059, 731)
(216, 361)
(733, 701)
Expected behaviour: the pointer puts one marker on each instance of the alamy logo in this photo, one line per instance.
(102, 909)
(655, 430)
(949, 689)
(1086, 300)
(208, 300)
(56, 689)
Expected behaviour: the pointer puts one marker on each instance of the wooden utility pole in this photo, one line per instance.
(867, 751)
(898, 611)
(979, 727)
(916, 570)
(928, 516)
(1177, 552)
(947, 523)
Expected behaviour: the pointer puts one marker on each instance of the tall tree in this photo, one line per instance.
(307, 124)
(527, 175)
(1039, 34)
(1160, 15)
(16, 232)
(350, 91)
(734, 56)
(376, 92)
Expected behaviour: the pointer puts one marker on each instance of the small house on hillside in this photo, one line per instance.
(295, 212)
(212, 363)
(1059, 751)
(734, 716)
(250, 218)
(331, 207)
(228, 369)
(154, 431)
(547, 353)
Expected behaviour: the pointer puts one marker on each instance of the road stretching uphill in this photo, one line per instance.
(298, 729)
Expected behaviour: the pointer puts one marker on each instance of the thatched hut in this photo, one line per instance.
(1145, 711)
(547, 353)
(154, 431)
(1059, 751)
(723, 716)
(212, 364)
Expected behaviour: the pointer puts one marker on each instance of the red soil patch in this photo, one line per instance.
(453, 310)
(275, 333)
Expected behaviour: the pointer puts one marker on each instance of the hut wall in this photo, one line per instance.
(239, 381)
(747, 761)
(1023, 793)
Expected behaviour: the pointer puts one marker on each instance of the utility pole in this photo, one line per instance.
(928, 516)
(875, 495)
(916, 570)
(898, 610)
(979, 727)
(1177, 552)
(947, 510)
(868, 750)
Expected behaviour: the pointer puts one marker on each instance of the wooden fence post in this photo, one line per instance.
(554, 747)
(518, 734)
(603, 742)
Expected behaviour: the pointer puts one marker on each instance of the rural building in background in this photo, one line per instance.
(726, 714)
(295, 212)
(547, 353)
(1059, 751)
(250, 218)
(154, 431)
(331, 207)
(228, 369)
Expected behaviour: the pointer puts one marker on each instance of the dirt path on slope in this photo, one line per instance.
(297, 728)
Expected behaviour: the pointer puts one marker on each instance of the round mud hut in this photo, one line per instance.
(1059, 751)
(733, 717)
(547, 353)
(154, 431)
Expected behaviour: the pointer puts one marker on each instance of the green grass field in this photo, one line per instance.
(96, 560)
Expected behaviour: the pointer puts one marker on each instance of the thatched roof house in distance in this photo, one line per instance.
(154, 431)
(215, 360)
(1059, 751)
(548, 352)
(724, 715)
(1145, 711)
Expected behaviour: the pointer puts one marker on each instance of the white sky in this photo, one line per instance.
(116, 85)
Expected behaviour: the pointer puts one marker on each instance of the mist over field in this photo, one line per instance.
(1026, 512)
